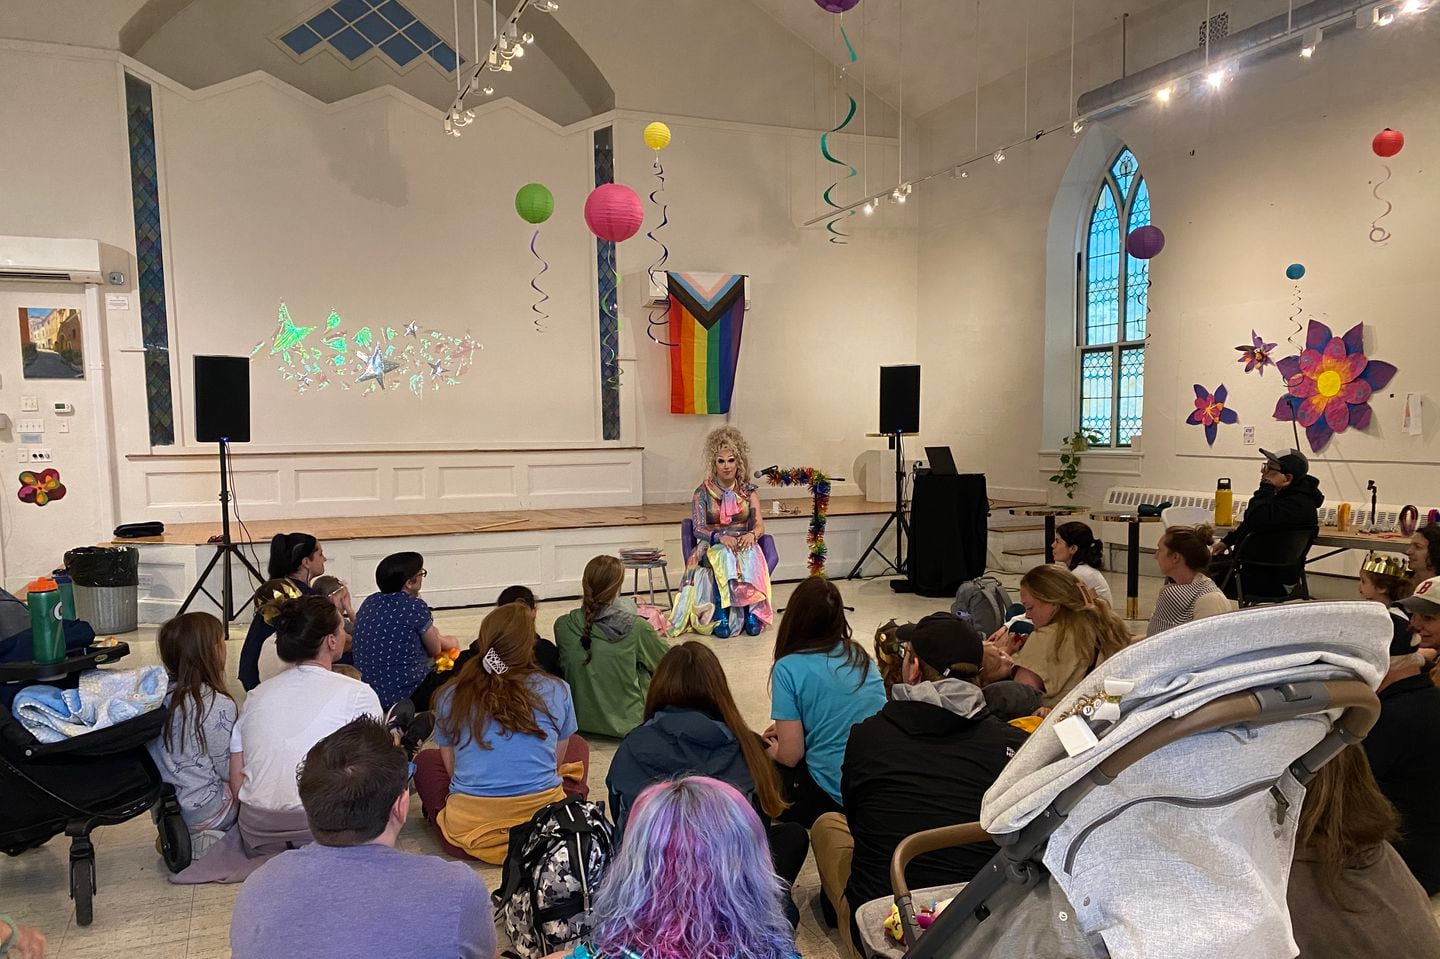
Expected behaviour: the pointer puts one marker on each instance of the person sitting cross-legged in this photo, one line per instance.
(351, 892)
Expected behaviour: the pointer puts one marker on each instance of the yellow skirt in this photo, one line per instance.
(481, 825)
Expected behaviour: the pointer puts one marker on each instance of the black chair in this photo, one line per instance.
(1274, 561)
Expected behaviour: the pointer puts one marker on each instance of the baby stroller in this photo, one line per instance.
(1172, 834)
(102, 778)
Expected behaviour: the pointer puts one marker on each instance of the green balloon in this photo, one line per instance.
(534, 202)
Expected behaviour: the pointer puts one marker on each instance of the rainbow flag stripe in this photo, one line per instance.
(707, 316)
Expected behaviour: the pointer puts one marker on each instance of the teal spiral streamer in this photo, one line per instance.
(837, 236)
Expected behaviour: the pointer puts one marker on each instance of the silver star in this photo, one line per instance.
(412, 329)
(437, 369)
(376, 366)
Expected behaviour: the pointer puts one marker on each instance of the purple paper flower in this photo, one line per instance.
(1328, 386)
(1257, 354)
(1210, 411)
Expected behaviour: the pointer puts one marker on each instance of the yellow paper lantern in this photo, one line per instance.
(657, 136)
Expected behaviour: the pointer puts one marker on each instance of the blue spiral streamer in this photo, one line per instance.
(663, 309)
(540, 315)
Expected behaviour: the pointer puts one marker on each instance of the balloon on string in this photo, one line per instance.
(534, 202)
(1144, 242)
(613, 212)
(1294, 271)
(836, 6)
(657, 136)
(1388, 142)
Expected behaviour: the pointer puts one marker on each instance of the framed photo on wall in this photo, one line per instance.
(51, 344)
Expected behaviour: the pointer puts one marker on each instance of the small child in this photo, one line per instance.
(1383, 580)
(193, 753)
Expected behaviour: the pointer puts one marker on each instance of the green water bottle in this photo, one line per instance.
(47, 633)
(67, 593)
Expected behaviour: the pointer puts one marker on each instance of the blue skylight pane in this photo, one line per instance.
(301, 39)
(326, 23)
(350, 43)
(400, 50)
(351, 10)
(375, 27)
(423, 37)
(397, 14)
(444, 56)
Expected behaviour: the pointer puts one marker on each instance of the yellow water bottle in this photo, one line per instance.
(1224, 502)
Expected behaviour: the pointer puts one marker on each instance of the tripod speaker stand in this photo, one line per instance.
(897, 515)
(224, 550)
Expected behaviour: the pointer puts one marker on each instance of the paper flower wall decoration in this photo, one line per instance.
(40, 488)
(1257, 354)
(1210, 411)
(1328, 386)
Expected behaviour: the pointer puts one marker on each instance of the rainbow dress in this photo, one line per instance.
(741, 578)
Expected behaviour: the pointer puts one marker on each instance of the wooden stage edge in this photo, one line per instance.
(497, 521)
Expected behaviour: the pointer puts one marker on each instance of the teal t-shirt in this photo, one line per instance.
(828, 697)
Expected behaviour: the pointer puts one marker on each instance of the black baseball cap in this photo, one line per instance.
(1291, 462)
(942, 640)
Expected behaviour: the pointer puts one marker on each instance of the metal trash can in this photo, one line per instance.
(107, 586)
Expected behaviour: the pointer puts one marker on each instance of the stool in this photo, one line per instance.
(650, 566)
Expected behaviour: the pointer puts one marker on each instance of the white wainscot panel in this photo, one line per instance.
(359, 485)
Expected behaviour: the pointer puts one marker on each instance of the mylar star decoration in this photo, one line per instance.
(1256, 356)
(1328, 386)
(40, 488)
(1210, 411)
(377, 364)
(289, 335)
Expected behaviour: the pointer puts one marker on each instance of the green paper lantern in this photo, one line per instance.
(534, 202)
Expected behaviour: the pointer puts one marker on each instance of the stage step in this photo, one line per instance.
(1027, 551)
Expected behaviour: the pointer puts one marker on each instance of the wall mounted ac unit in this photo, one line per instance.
(41, 259)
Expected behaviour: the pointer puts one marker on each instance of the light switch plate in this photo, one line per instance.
(64, 426)
(29, 404)
(33, 426)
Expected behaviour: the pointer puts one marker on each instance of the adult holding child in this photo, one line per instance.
(295, 560)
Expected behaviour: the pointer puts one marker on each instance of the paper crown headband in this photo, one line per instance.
(1383, 564)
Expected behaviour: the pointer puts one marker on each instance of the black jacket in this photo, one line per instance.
(1401, 753)
(1297, 506)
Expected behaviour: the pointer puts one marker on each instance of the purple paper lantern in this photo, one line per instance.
(1145, 242)
(836, 6)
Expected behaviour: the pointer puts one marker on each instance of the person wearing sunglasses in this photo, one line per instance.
(1288, 499)
(396, 639)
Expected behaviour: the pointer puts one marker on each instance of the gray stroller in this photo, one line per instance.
(1171, 835)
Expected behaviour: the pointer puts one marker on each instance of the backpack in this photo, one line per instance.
(552, 868)
(984, 600)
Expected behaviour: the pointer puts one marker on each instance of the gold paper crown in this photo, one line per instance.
(1384, 564)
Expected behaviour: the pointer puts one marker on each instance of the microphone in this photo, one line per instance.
(761, 474)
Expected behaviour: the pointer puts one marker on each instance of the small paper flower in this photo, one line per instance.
(1210, 411)
(1328, 386)
(40, 488)
(1257, 354)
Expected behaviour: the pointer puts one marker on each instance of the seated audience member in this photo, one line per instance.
(1183, 554)
(928, 755)
(1287, 499)
(1403, 760)
(608, 653)
(1383, 580)
(1424, 554)
(692, 880)
(1350, 893)
(295, 560)
(822, 683)
(692, 725)
(1076, 548)
(547, 657)
(280, 721)
(25, 942)
(396, 639)
(373, 899)
(1423, 606)
(1071, 637)
(333, 589)
(504, 731)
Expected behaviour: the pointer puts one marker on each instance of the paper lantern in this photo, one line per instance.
(657, 136)
(1145, 242)
(534, 202)
(613, 212)
(1294, 271)
(836, 6)
(1387, 142)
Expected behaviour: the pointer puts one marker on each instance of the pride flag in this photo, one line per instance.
(707, 316)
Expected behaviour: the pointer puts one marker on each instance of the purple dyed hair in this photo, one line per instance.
(693, 880)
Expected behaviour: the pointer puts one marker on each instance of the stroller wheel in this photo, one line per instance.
(174, 840)
(82, 889)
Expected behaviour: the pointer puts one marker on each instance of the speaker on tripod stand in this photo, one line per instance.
(899, 417)
(222, 416)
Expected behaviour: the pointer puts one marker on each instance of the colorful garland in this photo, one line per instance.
(819, 485)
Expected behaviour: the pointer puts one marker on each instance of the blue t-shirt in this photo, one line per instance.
(828, 697)
(516, 764)
(389, 651)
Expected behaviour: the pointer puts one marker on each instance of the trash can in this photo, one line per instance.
(107, 586)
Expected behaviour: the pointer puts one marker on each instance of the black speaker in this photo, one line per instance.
(222, 399)
(900, 399)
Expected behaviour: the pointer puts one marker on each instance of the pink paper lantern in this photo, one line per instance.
(836, 6)
(613, 212)
(1145, 242)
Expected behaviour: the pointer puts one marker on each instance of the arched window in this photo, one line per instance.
(1110, 334)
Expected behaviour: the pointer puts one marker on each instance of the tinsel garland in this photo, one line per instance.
(819, 485)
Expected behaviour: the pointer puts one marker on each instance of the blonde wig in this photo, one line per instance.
(728, 438)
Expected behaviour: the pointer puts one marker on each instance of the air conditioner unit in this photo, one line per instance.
(42, 259)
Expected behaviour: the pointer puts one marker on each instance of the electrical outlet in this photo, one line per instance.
(1249, 436)
(64, 426)
(29, 404)
(40, 456)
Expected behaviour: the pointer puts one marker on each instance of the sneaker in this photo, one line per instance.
(200, 842)
(417, 732)
(400, 716)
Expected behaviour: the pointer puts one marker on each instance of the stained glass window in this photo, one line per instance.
(1114, 301)
(355, 28)
(150, 259)
(609, 289)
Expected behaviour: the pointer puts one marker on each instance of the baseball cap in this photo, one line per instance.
(1291, 462)
(1426, 598)
(941, 640)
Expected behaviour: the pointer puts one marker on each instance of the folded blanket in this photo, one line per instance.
(105, 697)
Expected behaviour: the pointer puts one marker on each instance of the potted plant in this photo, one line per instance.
(1071, 449)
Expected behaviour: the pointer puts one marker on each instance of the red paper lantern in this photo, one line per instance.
(1145, 242)
(1388, 142)
(613, 212)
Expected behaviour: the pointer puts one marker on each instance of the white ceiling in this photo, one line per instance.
(939, 41)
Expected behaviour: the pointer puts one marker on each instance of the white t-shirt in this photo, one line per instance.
(1095, 579)
(282, 718)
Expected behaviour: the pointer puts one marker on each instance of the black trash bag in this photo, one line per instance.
(104, 565)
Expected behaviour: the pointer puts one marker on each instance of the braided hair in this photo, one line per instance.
(604, 575)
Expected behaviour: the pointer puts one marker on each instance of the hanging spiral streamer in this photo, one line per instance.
(659, 309)
(610, 344)
(1378, 234)
(540, 315)
(837, 236)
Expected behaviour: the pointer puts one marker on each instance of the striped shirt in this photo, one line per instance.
(1180, 603)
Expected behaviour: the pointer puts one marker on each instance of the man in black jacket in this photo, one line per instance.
(922, 762)
(1288, 500)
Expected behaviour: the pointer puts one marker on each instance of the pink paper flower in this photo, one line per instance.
(1257, 354)
(1210, 411)
(1328, 386)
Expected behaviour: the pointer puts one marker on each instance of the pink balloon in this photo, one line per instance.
(613, 212)
(836, 6)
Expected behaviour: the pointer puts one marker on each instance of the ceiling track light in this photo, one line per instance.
(869, 207)
(1413, 6)
(999, 156)
(1216, 78)
(544, 6)
(1310, 41)
(1164, 94)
